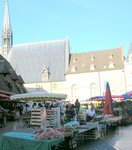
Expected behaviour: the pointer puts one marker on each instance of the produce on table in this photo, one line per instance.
(48, 134)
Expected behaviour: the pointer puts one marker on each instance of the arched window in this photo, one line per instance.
(74, 91)
(93, 89)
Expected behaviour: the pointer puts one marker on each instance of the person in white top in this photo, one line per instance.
(90, 113)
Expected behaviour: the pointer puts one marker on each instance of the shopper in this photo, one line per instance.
(77, 106)
(90, 113)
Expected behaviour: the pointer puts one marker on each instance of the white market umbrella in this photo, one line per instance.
(38, 96)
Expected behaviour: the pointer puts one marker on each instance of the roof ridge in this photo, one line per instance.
(94, 51)
(39, 42)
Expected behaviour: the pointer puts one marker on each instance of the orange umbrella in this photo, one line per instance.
(108, 109)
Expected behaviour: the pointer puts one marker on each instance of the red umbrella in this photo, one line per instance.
(108, 101)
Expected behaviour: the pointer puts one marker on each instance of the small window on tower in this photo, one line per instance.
(5, 51)
(8, 41)
(4, 41)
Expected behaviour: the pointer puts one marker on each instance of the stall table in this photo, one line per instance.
(26, 141)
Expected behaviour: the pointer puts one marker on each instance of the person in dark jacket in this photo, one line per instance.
(77, 106)
(4, 115)
(70, 112)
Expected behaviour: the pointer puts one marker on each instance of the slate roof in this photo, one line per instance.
(29, 60)
(102, 60)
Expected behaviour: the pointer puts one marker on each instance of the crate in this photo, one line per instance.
(92, 134)
(38, 117)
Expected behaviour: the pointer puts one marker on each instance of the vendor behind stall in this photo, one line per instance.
(90, 113)
(70, 112)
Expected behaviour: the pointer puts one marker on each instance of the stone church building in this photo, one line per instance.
(50, 66)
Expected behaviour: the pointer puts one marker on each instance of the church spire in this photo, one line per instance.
(7, 38)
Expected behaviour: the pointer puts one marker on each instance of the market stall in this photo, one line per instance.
(42, 139)
(38, 116)
(26, 141)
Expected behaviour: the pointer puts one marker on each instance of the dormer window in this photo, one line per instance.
(45, 74)
(111, 65)
(74, 69)
(74, 59)
(110, 56)
(92, 58)
(92, 67)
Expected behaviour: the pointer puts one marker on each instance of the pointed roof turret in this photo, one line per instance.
(6, 23)
(7, 36)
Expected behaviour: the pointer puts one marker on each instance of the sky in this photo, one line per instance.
(90, 24)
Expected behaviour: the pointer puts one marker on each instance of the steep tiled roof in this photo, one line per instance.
(94, 61)
(29, 60)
